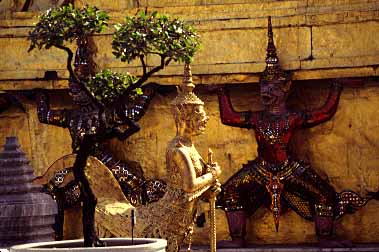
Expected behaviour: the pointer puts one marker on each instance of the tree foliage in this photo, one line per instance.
(66, 23)
(153, 33)
(107, 86)
(139, 36)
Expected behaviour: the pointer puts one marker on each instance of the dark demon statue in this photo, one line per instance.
(275, 178)
(90, 125)
(107, 104)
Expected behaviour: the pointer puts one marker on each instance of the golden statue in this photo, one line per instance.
(189, 178)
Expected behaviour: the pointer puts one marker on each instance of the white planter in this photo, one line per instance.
(113, 245)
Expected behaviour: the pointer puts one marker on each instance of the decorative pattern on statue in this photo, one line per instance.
(275, 178)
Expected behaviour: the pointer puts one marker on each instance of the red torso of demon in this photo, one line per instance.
(274, 129)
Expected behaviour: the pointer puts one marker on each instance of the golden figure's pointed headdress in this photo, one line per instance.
(185, 91)
(273, 71)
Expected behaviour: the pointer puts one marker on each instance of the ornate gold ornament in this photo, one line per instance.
(273, 71)
(185, 91)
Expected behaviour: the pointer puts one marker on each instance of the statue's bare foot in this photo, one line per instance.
(335, 243)
(235, 243)
(94, 243)
(100, 243)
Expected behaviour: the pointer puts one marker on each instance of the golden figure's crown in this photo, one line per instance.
(273, 71)
(185, 91)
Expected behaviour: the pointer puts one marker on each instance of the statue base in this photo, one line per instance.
(113, 244)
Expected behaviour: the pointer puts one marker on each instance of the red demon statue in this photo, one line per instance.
(276, 178)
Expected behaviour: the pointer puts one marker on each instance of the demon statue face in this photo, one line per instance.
(275, 83)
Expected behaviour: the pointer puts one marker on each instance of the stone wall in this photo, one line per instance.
(315, 39)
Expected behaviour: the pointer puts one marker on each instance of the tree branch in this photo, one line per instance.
(141, 57)
(73, 76)
(26, 5)
(147, 75)
(69, 61)
(167, 61)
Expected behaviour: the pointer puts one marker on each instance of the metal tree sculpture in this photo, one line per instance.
(104, 99)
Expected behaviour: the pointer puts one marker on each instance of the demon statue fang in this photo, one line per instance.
(275, 178)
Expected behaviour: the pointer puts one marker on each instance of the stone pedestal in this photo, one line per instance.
(26, 214)
(113, 245)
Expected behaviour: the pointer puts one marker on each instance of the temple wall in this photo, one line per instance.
(316, 39)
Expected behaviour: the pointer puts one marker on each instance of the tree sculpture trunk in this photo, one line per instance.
(89, 199)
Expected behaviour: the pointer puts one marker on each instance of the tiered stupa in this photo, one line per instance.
(26, 214)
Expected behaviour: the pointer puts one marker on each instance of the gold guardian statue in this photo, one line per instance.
(189, 178)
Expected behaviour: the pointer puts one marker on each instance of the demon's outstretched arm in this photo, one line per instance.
(228, 115)
(138, 109)
(320, 115)
(131, 113)
(123, 135)
(49, 116)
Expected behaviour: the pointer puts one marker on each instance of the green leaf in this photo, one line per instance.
(138, 91)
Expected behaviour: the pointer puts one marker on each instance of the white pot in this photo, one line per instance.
(113, 245)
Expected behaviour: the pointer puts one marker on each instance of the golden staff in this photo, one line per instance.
(212, 202)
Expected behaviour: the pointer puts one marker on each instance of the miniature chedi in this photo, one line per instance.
(26, 214)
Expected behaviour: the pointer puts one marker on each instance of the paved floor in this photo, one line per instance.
(374, 247)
